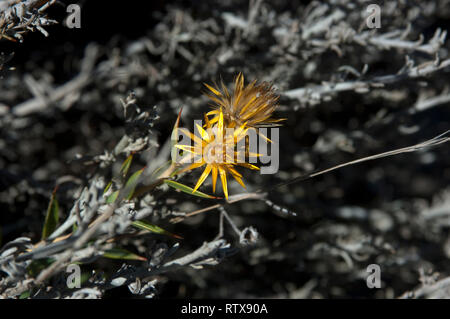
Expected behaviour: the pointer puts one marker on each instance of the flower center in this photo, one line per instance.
(214, 153)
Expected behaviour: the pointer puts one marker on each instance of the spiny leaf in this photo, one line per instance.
(188, 190)
(177, 122)
(126, 165)
(120, 253)
(131, 183)
(153, 228)
(107, 187)
(52, 217)
(112, 198)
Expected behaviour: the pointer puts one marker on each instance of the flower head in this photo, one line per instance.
(251, 105)
(225, 142)
(215, 149)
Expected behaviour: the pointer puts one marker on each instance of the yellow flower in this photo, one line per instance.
(215, 149)
(251, 105)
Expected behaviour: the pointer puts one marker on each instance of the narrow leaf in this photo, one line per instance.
(158, 171)
(52, 217)
(25, 294)
(153, 228)
(74, 227)
(112, 198)
(131, 183)
(188, 190)
(120, 253)
(107, 187)
(126, 165)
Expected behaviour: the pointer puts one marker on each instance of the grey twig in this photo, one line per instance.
(316, 93)
(39, 103)
(440, 289)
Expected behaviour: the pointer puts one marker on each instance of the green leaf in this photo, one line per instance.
(120, 253)
(85, 277)
(187, 189)
(52, 217)
(74, 227)
(158, 171)
(107, 187)
(112, 198)
(153, 228)
(128, 190)
(126, 165)
(25, 294)
(131, 183)
(36, 266)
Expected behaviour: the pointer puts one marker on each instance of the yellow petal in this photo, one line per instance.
(203, 133)
(214, 120)
(223, 178)
(241, 133)
(225, 90)
(212, 112)
(240, 81)
(230, 159)
(219, 102)
(186, 148)
(238, 88)
(239, 180)
(248, 104)
(214, 178)
(193, 137)
(240, 130)
(202, 177)
(254, 154)
(207, 122)
(190, 167)
(234, 172)
(213, 89)
(264, 137)
(220, 127)
(248, 165)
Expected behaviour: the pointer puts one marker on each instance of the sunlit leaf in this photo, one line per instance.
(25, 294)
(153, 228)
(126, 165)
(120, 253)
(188, 190)
(52, 217)
(107, 187)
(112, 198)
(131, 183)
